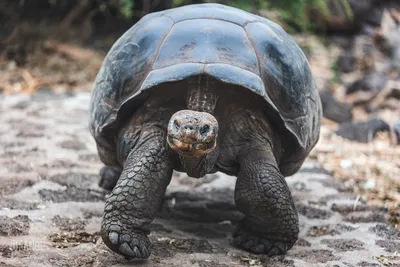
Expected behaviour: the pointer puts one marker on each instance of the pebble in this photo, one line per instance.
(346, 164)
(370, 184)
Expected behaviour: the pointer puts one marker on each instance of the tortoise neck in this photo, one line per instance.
(201, 94)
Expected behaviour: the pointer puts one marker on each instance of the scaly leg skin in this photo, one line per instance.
(109, 177)
(262, 194)
(137, 196)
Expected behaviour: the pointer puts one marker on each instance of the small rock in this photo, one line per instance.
(372, 82)
(41, 207)
(346, 62)
(364, 131)
(335, 110)
(396, 129)
(16, 226)
(344, 244)
(388, 38)
(346, 164)
(303, 243)
(17, 53)
(370, 184)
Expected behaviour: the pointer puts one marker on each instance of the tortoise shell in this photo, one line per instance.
(229, 44)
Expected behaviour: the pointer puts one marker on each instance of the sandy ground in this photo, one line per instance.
(51, 206)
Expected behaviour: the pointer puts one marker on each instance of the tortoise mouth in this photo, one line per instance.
(190, 149)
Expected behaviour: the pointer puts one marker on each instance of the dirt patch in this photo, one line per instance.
(72, 194)
(17, 168)
(3, 264)
(11, 154)
(316, 255)
(62, 262)
(210, 264)
(87, 260)
(367, 264)
(155, 227)
(395, 219)
(339, 186)
(89, 158)
(192, 245)
(72, 239)
(207, 230)
(34, 152)
(74, 179)
(18, 250)
(313, 213)
(258, 261)
(278, 261)
(197, 182)
(12, 145)
(11, 186)
(60, 164)
(29, 134)
(346, 209)
(328, 229)
(16, 205)
(390, 246)
(386, 231)
(88, 214)
(300, 186)
(302, 243)
(366, 218)
(72, 144)
(167, 247)
(212, 206)
(69, 224)
(19, 225)
(344, 244)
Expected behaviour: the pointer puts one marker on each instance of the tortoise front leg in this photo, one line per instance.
(135, 199)
(262, 194)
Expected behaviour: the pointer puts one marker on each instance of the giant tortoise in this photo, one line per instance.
(201, 89)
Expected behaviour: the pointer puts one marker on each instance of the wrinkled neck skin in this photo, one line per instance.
(201, 97)
(200, 166)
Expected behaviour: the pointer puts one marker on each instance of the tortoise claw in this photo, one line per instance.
(134, 245)
(258, 244)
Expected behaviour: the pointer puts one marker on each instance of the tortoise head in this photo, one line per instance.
(192, 133)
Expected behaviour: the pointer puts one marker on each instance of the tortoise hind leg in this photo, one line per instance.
(109, 177)
(262, 194)
(110, 173)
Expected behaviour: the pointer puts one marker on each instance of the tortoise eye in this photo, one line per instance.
(205, 129)
(176, 124)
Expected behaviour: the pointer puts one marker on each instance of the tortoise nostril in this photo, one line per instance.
(205, 129)
(188, 127)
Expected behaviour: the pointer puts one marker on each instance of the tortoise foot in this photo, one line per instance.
(258, 244)
(109, 177)
(132, 245)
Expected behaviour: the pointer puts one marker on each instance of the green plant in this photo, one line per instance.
(249, 5)
(297, 12)
(336, 73)
(126, 7)
(176, 3)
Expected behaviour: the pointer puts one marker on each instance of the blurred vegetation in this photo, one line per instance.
(295, 13)
(298, 15)
(88, 19)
